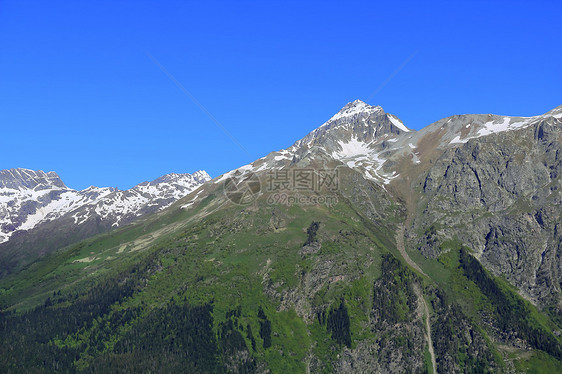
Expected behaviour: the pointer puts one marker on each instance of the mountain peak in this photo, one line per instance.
(357, 103)
(355, 108)
(356, 119)
(202, 174)
(20, 178)
(199, 176)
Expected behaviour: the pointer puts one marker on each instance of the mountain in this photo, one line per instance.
(500, 173)
(364, 247)
(39, 213)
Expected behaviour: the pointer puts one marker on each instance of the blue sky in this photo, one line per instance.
(80, 95)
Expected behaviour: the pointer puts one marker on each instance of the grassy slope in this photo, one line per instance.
(227, 258)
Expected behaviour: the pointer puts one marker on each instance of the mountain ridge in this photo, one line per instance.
(366, 138)
(32, 199)
(48, 187)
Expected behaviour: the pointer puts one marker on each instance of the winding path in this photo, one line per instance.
(419, 294)
(428, 332)
(402, 250)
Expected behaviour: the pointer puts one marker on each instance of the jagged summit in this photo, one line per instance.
(200, 175)
(359, 109)
(356, 120)
(354, 108)
(18, 178)
(357, 135)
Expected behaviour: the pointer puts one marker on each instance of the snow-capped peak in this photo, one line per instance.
(30, 179)
(202, 174)
(355, 120)
(356, 136)
(355, 108)
(182, 179)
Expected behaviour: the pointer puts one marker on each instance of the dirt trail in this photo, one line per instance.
(423, 304)
(402, 250)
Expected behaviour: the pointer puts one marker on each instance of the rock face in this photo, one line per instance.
(39, 213)
(500, 195)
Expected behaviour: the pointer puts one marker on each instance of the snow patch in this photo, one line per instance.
(458, 140)
(193, 200)
(491, 127)
(241, 169)
(352, 148)
(360, 156)
(396, 122)
(494, 127)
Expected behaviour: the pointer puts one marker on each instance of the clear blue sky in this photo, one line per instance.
(80, 96)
